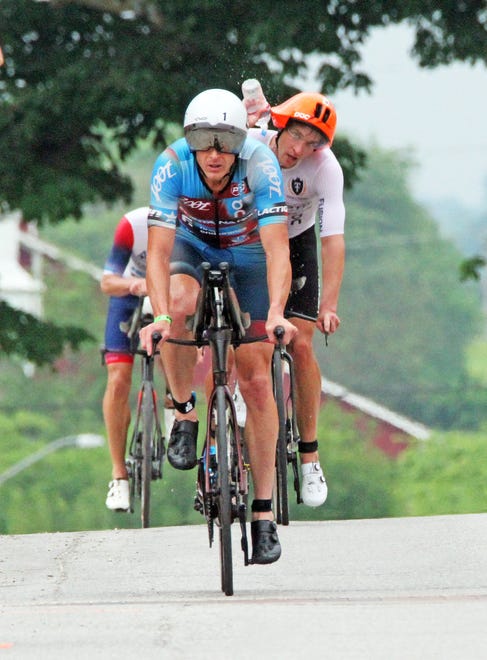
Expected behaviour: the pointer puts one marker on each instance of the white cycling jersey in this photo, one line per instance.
(314, 190)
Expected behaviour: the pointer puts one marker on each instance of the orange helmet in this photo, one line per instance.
(310, 108)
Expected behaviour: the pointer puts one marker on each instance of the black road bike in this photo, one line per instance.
(147, 449)
(222, 478)
(288, 434)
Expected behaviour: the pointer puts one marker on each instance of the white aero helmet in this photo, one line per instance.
(216, 119)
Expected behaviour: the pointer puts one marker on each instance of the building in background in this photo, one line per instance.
(18, 287)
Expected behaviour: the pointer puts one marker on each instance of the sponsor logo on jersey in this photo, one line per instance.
(273, 210)
(163, 173)
(154, 215)
(196, 204)
(297, 186)
(270, 171)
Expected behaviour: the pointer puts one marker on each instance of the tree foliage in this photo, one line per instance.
(84, 81)
(39, 342)
(469, 268)
(443, 476)
(406, 317)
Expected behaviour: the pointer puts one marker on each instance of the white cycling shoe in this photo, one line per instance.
(118, 498)
(313, 486)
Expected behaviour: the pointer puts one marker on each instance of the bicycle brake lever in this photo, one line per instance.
(279, 333)
(156, 338)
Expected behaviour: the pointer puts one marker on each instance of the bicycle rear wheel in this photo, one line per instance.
(281, 497)
(148, 424)
(224, 499)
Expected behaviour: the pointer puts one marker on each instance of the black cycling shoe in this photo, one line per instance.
(181, 451)
(265, 542)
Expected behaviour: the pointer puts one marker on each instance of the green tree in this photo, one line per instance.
(470, 268)
(25, 336)
(84, 81)
(444, 475)
(407, 319)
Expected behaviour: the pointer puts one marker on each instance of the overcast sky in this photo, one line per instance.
(440, 113)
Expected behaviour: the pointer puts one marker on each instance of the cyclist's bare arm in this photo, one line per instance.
(333, 263)
(117, 285)
(159, 248)
(276, 245)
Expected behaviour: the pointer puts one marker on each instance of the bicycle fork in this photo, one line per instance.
(237, 472)
(292, 431)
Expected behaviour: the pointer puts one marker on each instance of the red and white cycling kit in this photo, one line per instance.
(127, 258)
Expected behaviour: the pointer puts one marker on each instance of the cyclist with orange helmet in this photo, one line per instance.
(313, 181)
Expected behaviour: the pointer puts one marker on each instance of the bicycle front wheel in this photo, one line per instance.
(148, 424)
(222, 416)
(281, 498)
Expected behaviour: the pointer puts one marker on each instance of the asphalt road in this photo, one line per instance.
(403, 588)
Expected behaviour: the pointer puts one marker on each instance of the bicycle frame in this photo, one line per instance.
(146, 450)
(222, 483)
(288, 434)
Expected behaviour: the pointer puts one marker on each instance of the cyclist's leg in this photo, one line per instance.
(307, 380)
(303, 302)
(180, 361)
(254, 378)
(255, 382)
(116, 408)
(254, 372)
(168, 402)
(116, 413)
(119, 363)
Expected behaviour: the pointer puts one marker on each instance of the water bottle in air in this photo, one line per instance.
(255, 101)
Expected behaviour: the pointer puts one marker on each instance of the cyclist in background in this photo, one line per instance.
(123, 280)
(313, 181)
(217, 195)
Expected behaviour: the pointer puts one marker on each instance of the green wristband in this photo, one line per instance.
(163, 317)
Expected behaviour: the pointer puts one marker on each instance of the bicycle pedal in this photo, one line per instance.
(198, 505)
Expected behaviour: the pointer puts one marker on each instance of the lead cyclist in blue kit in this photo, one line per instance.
(217, 195)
